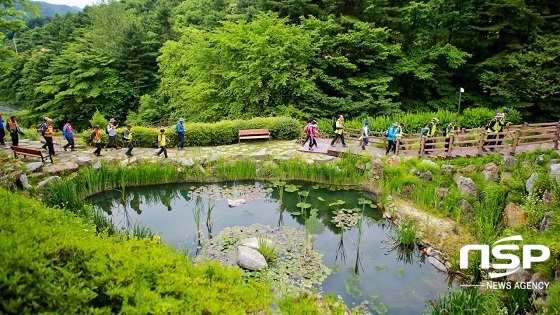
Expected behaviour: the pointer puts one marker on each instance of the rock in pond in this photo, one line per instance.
(250, 259)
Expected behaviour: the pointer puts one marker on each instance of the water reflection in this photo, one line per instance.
(371, 267)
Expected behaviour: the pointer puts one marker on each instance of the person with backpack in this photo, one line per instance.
(450, 130)
(492, 128)
(391, 134)
(306, 130)
(14, 131)
(111, 131)
(364, 137)
(162, 143)
(2, 132)
(428, 132)
(506, 124)
(400, 134)
(68, 133)
(180, 131)
(339, 131)
(127, 138)
(95, 139)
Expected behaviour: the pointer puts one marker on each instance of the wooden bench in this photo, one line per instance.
(30, 152)
(250, 134)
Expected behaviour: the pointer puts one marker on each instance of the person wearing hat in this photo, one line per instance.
(493, 127)
(449, 131)
(432, 130)
(95, 138)
(162, 143)
(127, 138)
(68, 133)
(504, 115)
(111, 130)
(49, 133)
(392, 133)
(180, 130)
(364, 138)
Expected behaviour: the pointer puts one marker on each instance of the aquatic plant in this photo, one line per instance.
(405, 233)
(267, 249)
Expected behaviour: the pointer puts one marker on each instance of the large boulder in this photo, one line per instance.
(514, 215)
(24, 182)
(447, 169)
(250, 258)
(48, 181)
(253, 242)
(509, 161)
(438, 264)
(424, 175)
(491, 172)
(466, 186)
(260, 154)
(33, 167)
(394, 160)
(546, 221)
(430, 164)
(84, 161)
(467, 169)
(530, 183)
(61, 168)
(555, 172)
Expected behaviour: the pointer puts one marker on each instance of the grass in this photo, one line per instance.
(467, 301)
(406, 233)
(267, 249)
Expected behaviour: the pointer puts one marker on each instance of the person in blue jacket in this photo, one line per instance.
(180, 130)
(392, 134)
(2, 132)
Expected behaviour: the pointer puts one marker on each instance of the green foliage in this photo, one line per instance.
(54, 262)
(97, 120)
(267, 249)
(305, 303)
(211, 134)
(406, 233)
(466, 301)
(553, 302)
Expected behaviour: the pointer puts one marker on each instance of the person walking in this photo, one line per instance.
(42, 128)
(127, 138)
(339, 131)
(400, 134)
(68, 133)
(493, 127)
(162, 142)
(13, 129)
(312, 132)
(95, 138)
(505, 113)
(180, 130)
(450, 130)
(49, 132)
(364, 138)
(2, 131)
(111, 130)
(431, 132)
(306, 130)
(392, 133)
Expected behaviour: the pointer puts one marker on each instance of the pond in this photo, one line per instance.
(366, 266)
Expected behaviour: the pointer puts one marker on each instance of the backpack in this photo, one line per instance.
(490, 124)
(334, 124)
(107, 129)
(386, 132)
(306, 129)
(424, 131)
(445, 130)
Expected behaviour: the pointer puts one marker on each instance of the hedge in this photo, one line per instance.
(211, 134)
(414, 122)
(54, 262)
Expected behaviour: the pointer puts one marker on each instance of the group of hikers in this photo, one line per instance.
(394, 133)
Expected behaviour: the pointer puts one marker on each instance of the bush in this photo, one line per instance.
(211, 134)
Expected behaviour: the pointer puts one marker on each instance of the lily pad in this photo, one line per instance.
(373, 206)
(303, 205)
(316, 186)
(303, 193)
(365, 201)
(381, 268)
(296, 213)
(320, 198)
(291, 188)
(337, 203)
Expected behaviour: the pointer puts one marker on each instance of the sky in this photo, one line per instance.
(72, 3)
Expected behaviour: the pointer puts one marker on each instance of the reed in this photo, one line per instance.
(406, 233)
(267, 249)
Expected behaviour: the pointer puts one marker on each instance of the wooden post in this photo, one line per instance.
(450, 148)
(481, 142)
(422, 142)
(524, 130)
(515, 141)
(557, 136)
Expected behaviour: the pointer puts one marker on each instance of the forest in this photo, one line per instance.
(143, 61)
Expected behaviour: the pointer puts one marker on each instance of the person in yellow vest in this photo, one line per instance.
(493, 127)
(432, 131)
(95, 138)
(339, 131)
(49, 132)
(127, 138)
(451, 129)
(162, 143)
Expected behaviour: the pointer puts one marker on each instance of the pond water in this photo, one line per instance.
(365, 266)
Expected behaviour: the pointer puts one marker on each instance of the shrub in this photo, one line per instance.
(211, 134)
(53, 262)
